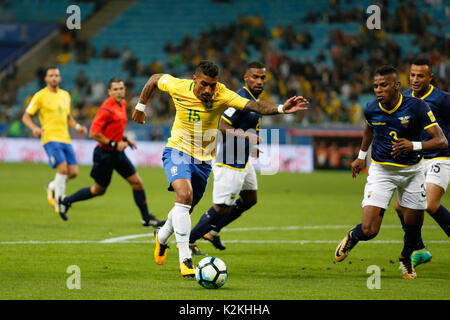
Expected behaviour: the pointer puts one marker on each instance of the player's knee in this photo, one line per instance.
(72, 174)
(97, 191)
(433, 206)
(370, 231)
(184, 196)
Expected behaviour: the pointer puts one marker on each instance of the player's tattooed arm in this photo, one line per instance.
(139, 115)
(291, 105)
(149, 88)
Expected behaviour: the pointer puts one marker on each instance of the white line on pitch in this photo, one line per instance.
(136, 236)
(227, 241)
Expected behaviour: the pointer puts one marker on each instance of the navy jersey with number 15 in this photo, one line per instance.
(407, 120)
(439, 103)
(233, 152)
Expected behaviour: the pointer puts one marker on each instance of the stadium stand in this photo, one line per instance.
(324, 52)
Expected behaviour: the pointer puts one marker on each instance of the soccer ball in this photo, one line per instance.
(211, 273)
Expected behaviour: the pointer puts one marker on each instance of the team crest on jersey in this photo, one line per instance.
(404, 120)
(209, 105)
(174, 170)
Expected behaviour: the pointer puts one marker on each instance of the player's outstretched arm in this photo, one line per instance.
(437, 141)
(292, 105)
(359, 163)
(139, 112)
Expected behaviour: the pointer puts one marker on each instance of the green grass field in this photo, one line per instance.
(282, 249)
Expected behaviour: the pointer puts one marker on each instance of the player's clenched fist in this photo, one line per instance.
(139, 116)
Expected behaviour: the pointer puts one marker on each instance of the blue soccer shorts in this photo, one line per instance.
(58, 152)
(179, 165)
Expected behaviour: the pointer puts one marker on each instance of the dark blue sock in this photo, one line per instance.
(421, 245)
(82, 194)
(203, 226)
(235, 212)
(141, 202)
(442, 217)
(411, 239)
(357, 234)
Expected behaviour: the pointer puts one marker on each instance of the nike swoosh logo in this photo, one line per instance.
(181, 234)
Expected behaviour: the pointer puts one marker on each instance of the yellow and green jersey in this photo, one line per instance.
(195, 126)
(54, 109)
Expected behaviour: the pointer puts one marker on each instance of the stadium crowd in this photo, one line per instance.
(334, 91)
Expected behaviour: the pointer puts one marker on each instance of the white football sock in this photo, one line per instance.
(181, 220)
(166, 230)
(51, 185)
(60, 186)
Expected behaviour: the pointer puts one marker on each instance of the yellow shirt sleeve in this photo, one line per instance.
(34, 104)
(169, 84)
(231, 98)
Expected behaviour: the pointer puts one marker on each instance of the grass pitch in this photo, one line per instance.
(282, 249)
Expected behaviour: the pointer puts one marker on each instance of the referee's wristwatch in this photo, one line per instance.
(112, 144)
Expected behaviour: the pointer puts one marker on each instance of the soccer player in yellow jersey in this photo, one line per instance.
(187, 157)
(53, 105)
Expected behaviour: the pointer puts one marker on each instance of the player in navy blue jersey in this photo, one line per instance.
(437, 162)
(394, 128)
(234, 175)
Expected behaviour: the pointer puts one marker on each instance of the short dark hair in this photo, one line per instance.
(113, 80)
(385, 70)
(422, 62)
(50, 68)
(208, 68)
(256, 65)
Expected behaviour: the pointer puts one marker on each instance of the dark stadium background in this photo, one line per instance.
(321, 49)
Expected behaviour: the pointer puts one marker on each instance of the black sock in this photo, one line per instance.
(203, 226)
(141, 202)
(82, 194)
(420, 245)
(442, 217)
(235, 212)
(411, 239)
(357, 234)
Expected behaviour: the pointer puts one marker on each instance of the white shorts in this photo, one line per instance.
(383, 180)
(438, 172)
(228, 183)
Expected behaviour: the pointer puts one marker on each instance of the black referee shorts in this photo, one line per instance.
(105, 162)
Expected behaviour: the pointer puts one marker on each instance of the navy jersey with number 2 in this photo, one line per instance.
(407, 120)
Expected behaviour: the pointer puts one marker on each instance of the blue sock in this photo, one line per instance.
(82, 194)
(235, 212)
(411, 239)
(357, 234)
(442, 217)
(203, 226)
(141, 202)
(421, 245)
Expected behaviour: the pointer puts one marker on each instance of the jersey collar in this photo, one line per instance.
(426, 94)
(395, 108)
(251, 94)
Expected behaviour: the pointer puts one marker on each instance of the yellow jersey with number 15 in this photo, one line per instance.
(195, 126)
(54, 108)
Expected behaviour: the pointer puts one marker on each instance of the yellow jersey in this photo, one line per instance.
(54, 108)
(196, 123)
